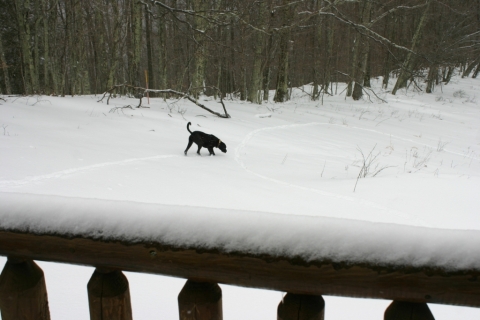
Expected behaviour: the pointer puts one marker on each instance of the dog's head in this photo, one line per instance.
(222, 146)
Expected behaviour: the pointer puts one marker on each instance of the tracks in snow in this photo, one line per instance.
(67, 172)
(370, 204)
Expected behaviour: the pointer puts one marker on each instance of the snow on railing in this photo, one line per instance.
(305, 256)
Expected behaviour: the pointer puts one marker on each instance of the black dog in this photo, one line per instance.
(204, 140)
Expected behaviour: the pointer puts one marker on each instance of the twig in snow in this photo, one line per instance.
(182, 111)
(358, 177)
(366, 168)
(39, 99)
(441, 145)
(382, 121)
(116, 109)
(321, 175)
(362, 113)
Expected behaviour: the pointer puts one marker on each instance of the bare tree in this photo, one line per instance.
(243, 47)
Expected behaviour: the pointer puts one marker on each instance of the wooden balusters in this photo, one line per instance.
(399, 310)
(23, 294)
(301, 307)
(200, 301)
(109, 295)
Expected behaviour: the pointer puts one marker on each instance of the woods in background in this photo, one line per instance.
(243, 47)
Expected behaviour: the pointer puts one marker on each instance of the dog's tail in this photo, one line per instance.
(188, 125)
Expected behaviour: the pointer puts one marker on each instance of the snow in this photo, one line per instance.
(311, 238)
(293, 171)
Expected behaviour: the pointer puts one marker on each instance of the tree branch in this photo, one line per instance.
(183, 95)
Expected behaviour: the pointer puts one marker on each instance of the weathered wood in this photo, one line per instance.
(109, 296)
(23, 294)
(248, 270)
(301, 307)
(200, 301)
(399, 310)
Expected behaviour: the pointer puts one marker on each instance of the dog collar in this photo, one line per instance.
(219, 141)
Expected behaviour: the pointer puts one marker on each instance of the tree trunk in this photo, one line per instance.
(134, 43)
(243, 81)
(475, 73)
(55, 64)
(470, 67)
(317, 46)
(46, 49)
(266, 69)
(448, 75)
(76, 61)
(432, 75)
(24, 37)
(368, 75)
(198, 80)
(363, 49)
(258, 44)
(113, 60)
(353, 66)
(148, 39)
(407, 67)
(266, 83)
(281, 94)
(66, 50)
(390, 32)
(38, 17)
(162, 54)
(4, 67)
(329, 53)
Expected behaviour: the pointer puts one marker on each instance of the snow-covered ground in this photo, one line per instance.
(297, 158)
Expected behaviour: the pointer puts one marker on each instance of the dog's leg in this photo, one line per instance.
(198, 151)
(210, 149)
(190, 141)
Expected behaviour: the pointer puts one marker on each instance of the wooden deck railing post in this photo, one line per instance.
(399, 310)
(200, 301)
(301, 307)
(23, 294)
(421, 284)
(109, 295)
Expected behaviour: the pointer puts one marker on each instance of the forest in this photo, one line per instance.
(240, 48)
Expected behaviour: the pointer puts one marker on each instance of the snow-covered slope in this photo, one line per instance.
(298, 158)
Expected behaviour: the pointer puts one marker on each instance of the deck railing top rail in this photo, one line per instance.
(247, 249)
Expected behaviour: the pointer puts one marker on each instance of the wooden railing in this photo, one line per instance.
(23, 294)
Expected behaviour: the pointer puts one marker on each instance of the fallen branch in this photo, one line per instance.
(139, 94)
(115, 109)
(183, 95)
(192, 99)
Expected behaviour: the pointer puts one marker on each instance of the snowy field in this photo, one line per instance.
(297, 158)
